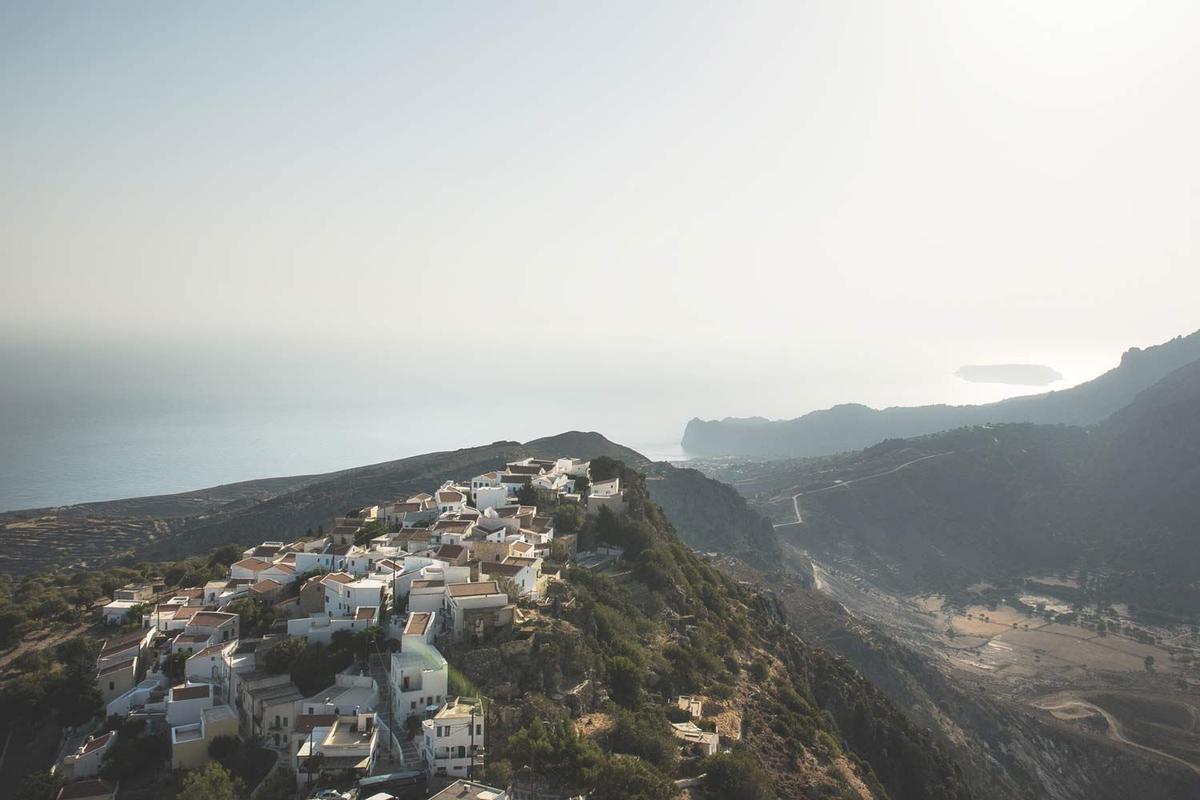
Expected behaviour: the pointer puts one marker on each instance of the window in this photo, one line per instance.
(412, 706)
(111, 686)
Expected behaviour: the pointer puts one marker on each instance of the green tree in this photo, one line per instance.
(736, 776)
(624, 681)
(646, 734)
(498, 773)
(174, 666)
(279, 785)
(630, 778)
(527, 495)
(40, 785)
(568, 517)
(213, 782)
(279, 658)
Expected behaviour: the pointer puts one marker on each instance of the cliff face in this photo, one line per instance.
(1007, 750)
(852, 426)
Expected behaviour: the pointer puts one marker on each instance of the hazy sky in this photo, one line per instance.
(671, 190)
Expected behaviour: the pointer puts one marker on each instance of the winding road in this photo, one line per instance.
(796, 497)
(1070, 707)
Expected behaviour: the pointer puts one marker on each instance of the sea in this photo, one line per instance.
(67, 436)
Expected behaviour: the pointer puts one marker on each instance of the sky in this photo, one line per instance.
(797, 203)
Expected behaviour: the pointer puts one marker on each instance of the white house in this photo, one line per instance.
(185, 702)
(347, 746)
(606, 488)
(116, 612)
(450, 501)
(348, 693)
(476, 608)
(427, 594)
(490, 496)
(419, 675)
(452, 739)
(485, 481)
(705, 743)
(219, 626)
(523, 572)
(210, 665)
(86, 760)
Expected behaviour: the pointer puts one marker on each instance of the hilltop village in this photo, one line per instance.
(392, 585)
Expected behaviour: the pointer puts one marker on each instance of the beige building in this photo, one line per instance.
(189, 743)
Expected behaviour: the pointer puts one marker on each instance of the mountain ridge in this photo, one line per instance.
(852, 426)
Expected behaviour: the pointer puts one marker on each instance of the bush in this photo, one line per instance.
(736, 776)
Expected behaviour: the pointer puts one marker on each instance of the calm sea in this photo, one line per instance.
(68, 435)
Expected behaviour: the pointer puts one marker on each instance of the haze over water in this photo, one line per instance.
(137, 426)
(282, 238)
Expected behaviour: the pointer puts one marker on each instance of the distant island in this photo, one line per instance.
(1011, 374)
(852, 426)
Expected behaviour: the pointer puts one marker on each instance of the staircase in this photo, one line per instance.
(409, 756)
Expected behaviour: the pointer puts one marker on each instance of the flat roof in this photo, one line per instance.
(468, 790)
(479, 588)
(418, 623)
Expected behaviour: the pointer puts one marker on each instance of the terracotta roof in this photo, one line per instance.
(390, 564)
(451, 525)
(410, 534)
(190, 638)
(123, 641)
(339, 577)
(190, 692)
(450, 551)
(339, 549)
(93, 787)
(212, 649)
(523, 469)
(345, 530)
(449, 496)
(418, 623)
(473, 589)
(186, 612)
(522, 479)
(522, 547)
(255, 564)
(266, 550)
(212, 618)
(404, 508)
(117, 667)
(287, 569)
(497, 568)
(266, 585)
(365, 612)
(96, 743)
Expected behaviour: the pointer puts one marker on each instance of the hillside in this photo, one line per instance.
(712, 516)
(852, 426)
(172, 526)
(666, 622)
(995, 503)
